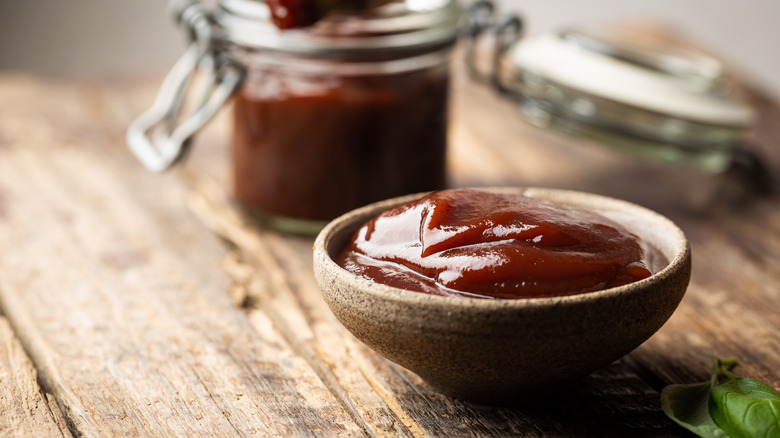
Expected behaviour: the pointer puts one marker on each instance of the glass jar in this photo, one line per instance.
(329, 117)
(635, 91)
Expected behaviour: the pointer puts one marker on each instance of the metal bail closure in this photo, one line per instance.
(505, 31)
(154, 137)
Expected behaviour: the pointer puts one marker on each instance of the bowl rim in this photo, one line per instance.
(390, 293)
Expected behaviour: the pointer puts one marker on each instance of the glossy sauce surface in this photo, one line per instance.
(489, 245)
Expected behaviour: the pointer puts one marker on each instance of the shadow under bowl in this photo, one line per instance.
(506, 351)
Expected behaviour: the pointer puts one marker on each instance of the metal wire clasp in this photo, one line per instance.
(507, 30)
(154, 137)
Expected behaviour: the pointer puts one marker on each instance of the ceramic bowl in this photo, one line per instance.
(506, 351)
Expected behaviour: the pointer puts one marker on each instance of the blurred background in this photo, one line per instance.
(99, 38)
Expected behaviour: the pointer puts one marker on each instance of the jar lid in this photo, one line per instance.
(646, 73)
(396, 25)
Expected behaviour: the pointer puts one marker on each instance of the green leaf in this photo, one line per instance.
(688, 406)
(736, 408)
(746, 408)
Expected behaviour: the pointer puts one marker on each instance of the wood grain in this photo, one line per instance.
(25, 410)
(115, 290)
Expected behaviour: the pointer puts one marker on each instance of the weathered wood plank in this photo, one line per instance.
(731, 308)
(25, 410)
(281, 287)
(116, 292)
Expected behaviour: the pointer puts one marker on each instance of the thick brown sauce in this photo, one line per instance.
(317, 147)
(488, 245)
(293, 14)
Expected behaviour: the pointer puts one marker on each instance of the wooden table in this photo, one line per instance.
(139, 304)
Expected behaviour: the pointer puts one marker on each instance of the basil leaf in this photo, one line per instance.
(746, 408)
(687, 405)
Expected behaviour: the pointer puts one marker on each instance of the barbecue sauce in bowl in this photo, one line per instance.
(496, 245)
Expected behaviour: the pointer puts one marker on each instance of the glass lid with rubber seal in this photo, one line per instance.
(632, 90)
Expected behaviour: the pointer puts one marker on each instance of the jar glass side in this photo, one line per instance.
(317, 137)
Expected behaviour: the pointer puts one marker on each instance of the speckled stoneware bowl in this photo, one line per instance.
(506, 351)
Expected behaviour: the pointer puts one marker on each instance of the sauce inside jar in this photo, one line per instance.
(294, 14)
(313, 147)
(492, 245)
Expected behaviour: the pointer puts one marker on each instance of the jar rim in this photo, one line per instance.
(400, 25)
